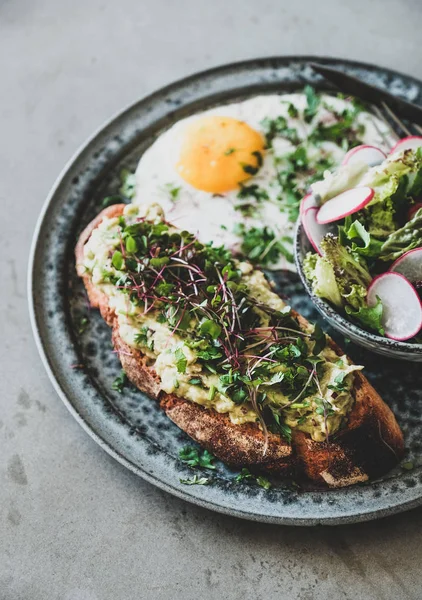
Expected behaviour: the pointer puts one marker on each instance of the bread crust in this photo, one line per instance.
(370, 444)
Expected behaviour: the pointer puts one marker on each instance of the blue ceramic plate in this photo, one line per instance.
(82, 365)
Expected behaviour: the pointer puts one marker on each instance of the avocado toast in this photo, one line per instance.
(232, 365)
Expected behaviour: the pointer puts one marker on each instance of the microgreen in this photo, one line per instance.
(198, 292)
(117, 260)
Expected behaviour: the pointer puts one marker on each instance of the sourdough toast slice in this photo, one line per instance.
(369, 445)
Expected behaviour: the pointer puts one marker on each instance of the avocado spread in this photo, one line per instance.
(213, 328)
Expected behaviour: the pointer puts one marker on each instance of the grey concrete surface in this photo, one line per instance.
(75, 525)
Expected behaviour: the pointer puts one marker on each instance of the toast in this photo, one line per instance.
(368, 445)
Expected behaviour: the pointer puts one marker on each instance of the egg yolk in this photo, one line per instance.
(218, 153)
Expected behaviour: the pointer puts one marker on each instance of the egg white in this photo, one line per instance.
(213, 217)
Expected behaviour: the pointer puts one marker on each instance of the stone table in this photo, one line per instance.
(74, 524)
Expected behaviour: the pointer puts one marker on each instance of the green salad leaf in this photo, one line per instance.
(368, 316)
(404, 239)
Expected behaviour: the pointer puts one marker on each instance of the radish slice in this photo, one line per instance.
(306, 202)
(412, 142)
(313, 230)
(370, 155)
(413, 210)
(409, 265)
(345, 204)
(402, 308)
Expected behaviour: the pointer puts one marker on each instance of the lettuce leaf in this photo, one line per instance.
(363, 242)
(321, 275)
(339, 275)
(404, 239)
(368, 316)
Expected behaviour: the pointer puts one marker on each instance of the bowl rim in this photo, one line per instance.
(330, 312)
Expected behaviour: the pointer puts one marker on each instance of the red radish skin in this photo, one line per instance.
(409, 265)
(313, 230)
(402, 314)
(345, 204)
(370, 155)
(307, 201)
(413, 210)
(411, 142)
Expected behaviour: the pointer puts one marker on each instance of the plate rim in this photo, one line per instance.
(351, 517)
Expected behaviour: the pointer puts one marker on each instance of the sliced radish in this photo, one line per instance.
(412, 142)
(370, 155)
(306, 202)
(345, 204)
(313, 230)
(409, 265)
(413, 210)
(402, 308)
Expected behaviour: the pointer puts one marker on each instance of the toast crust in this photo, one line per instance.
(370, 443)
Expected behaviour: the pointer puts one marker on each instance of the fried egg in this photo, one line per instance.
(214, 174)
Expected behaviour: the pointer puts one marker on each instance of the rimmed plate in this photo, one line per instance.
(82, 366)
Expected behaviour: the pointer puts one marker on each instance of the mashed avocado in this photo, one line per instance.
(216, 332)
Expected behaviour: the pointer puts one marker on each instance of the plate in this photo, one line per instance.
(82, 365)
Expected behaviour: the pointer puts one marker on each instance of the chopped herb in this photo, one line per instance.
(181, 361)
(229, 151)
(313, 101)
(292, 111)
(196, 480)
(408, 465)
(120, 382)
(196, 458)
(246, 475)
(82, 325)
(143, 338)
(249, 169)
(278, 127)
(262, 246)
(259, 159)
(263, 482)
(172, 190)
(195, 381)
(252, 191)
